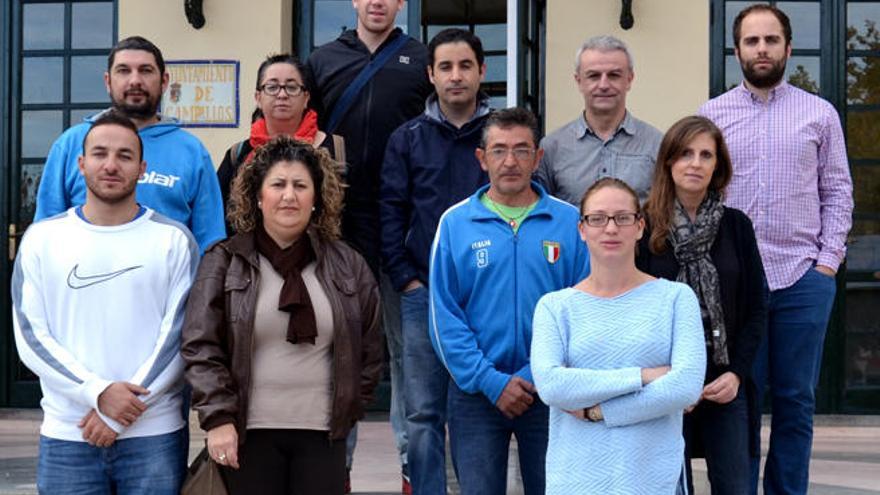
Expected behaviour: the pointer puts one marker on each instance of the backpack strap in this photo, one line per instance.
(239, 154)
(347, 99)
(339, 153)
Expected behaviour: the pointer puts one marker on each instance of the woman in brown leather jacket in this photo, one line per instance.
(281, 338)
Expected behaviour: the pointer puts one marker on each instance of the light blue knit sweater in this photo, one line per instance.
(589, 350)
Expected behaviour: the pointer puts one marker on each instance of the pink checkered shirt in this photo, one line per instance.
(790, 176)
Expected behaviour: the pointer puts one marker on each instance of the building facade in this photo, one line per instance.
(54, 53)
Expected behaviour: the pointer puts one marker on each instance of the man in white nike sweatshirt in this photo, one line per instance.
(98, 294)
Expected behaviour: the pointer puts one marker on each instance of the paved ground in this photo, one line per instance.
(846, 457)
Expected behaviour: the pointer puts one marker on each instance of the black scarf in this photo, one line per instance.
(294, 297)
(691, 242)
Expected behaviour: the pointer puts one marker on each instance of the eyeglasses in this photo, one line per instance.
(519, 154)
(274, 89)
(620, 219)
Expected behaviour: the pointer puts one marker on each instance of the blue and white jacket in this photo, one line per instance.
(485, 282)
(180, 181)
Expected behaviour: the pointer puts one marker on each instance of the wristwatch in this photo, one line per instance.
(593, 414)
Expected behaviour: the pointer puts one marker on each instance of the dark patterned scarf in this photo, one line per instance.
(294, 297)
(691, 242)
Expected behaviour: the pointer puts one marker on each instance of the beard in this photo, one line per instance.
(111, 197)
(765, 78)
(146, 109)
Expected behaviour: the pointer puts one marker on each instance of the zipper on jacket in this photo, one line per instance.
(254, 280)
(516, 312)
(515, 284)
(516, 291)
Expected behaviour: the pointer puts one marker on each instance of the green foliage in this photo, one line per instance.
(801, 78)
(863, 73)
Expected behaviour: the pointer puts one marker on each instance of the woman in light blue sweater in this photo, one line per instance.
(618, 357)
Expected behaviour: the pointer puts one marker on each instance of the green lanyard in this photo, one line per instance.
(513, 215)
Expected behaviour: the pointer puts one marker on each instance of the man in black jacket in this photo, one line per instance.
(393, 95)
(430, 164)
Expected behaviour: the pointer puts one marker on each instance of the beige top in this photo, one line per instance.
(292, 384)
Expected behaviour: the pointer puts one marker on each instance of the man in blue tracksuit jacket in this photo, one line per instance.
(494, 255)
(429, 166)
(180, 181)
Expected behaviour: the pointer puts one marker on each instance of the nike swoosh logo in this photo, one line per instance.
(76, 281)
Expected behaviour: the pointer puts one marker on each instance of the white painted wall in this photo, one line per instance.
(669, 42)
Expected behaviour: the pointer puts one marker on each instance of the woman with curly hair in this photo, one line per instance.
(281, 338)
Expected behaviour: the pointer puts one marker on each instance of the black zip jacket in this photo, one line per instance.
(394, 95)
(744, 300)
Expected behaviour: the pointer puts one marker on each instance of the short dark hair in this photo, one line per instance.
(761, 7)
(456, 35)
(510, 117)
(113, 117)
(284, 58)
(137, 43)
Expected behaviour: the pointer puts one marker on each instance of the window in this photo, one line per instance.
(488, 21)
(322, 21)
(63, 56)
(862, 107)
(804, 68)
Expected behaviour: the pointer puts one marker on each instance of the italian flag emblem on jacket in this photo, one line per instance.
(551, 251)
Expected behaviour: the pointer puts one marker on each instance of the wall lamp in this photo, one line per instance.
(626, 14)
(195, 13)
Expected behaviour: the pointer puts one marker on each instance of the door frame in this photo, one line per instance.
(6, 347)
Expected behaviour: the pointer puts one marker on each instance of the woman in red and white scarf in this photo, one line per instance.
(282, 98)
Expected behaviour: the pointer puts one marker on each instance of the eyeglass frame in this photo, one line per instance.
(495, 154)
(300, 89)
(636, 217)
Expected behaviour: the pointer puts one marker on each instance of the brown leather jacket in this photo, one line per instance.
(218, 331)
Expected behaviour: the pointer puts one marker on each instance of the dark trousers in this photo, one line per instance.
(360, 229)
(721, 433)
(282, 462)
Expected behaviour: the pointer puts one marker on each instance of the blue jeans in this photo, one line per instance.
(351, 442)
(788, 361)
(722, 431)
(391, 320)
(480, 439)
(426, 385)
(153, 465)
(285, 461)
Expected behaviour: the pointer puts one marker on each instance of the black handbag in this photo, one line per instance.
(203, 477)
